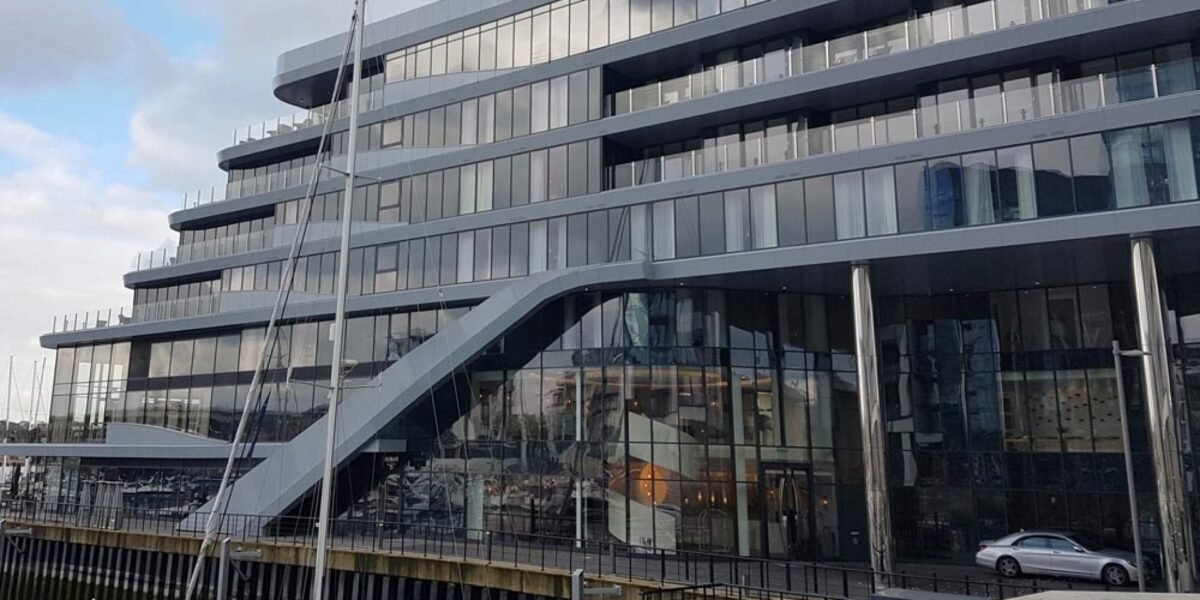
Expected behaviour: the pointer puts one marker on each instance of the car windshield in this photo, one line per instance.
(1086, 542)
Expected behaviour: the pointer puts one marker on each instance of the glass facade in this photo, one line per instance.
(549, 32)
(983, 100)
(199, 384)
(803, 52)
(727, 421)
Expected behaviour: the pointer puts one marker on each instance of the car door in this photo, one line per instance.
(1033, 552)
(1068, 558)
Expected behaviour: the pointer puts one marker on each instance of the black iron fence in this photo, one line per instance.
(706, 574)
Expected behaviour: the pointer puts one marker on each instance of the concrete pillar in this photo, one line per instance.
(870, 402)
(1165, 443)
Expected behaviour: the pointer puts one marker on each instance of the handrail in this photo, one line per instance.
(773, 579)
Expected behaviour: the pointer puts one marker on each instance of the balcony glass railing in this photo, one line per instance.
(925, 30)
(186, 253)
(313, 117)
(260, 184)
(931, 118)
(196, 306)
(141, 313)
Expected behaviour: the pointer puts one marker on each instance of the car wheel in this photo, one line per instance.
(1115, 575)
(1008, 566)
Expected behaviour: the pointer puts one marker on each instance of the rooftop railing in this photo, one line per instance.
(925, 30)
(931, 118)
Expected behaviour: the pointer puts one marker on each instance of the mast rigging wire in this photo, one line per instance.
(220, 503)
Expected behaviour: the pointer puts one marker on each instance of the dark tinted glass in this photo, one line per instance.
(789, 201)
(1055, 195)
(818, 202)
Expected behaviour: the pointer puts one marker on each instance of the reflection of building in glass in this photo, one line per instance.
(640, 271)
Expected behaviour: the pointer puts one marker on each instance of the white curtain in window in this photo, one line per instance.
(1179, 156)
(1126, 149)
(466, 190)
(880, 187)
(537, 246)
(762, 211)
(978, 171)
(737, 221)
(848, 205)
(466, 257)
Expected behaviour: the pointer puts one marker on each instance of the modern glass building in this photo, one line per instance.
(787, 278)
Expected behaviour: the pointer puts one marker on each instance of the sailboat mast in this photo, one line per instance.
(337, 369)
(7, 420)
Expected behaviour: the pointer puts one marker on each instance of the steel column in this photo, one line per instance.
(870, 401)
(1165, 442)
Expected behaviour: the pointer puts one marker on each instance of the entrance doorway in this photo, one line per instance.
(787, 511)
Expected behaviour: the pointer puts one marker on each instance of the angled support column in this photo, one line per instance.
(874, 436)
(1165, 443)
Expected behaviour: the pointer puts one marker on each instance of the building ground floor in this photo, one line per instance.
(723, 414)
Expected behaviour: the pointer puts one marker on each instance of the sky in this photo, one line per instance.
(109, 111)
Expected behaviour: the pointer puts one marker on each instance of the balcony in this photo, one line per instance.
(198, 306)
(196, 251)
(371, 99)
(1037, 97)
(925, 30)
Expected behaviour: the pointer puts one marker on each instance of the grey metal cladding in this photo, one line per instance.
(1124, 222)
(1124, 115)
(982, 51)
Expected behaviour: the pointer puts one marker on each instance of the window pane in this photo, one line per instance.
(1055, 195)
(483, 254)
(880, 187)
(737, 221)
(943, 193)
(577, 240)
(1093, 173)
(790, 201)
(664, 230)
(500, 252)
(848, 195)
(762, 213)
(520, 249)
(712, 224)
(1018, 198)
(539, 173)
(687, 227)
(466, 190)
(557, 167)
(577, 168)
(979, 188)
(818, 205)
(466, 256)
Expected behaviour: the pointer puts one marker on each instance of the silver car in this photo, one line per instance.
(1058, 554)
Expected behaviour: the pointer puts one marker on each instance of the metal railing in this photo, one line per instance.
(708, 574)
(930, 119)
(370, 99)
(936, 27)
(203, 250)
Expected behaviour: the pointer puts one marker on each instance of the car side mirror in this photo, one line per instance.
(1080, 550)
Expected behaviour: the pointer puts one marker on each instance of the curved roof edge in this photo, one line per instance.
(307, 73)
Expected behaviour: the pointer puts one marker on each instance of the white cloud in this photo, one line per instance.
(66, 238)
(67, 233)
(51, 42)
(177, 131)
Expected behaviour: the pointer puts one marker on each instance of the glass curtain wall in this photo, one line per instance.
(200, 384)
